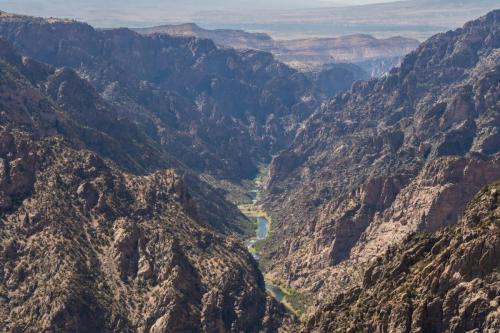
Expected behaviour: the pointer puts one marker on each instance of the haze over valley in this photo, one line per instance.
(289, 19)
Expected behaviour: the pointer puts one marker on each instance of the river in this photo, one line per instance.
(263, 226)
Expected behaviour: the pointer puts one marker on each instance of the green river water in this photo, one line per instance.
(261, 233)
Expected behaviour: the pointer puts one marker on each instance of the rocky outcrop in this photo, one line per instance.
(445, 281)
(87, 247)
(334, 78)
(47, 102)
(218, 111)
(17, 170)
(92, 249)
(392, 157)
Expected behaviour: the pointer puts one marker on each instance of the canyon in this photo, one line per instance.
(390, 158)
(128, 197)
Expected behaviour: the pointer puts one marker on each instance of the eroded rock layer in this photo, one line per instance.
(447, 281)
(91, 249)
(218, 111)
(392, 157)
(87, 247)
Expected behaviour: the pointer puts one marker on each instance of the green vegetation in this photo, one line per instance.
(295, 301)
(252, 210)
(258, 245)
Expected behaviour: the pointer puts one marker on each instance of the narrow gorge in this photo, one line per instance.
(253, 210)
(263, 226)
(157, 183)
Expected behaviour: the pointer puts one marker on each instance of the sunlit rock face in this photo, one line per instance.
(375, 55)
(88, 247)
(392, 157)
(437, 282)
(218, 111)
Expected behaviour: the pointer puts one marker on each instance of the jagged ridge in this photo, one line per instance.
(87, 247)
(391, 157)
(442, 282)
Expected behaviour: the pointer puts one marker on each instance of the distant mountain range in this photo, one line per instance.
(238, 39)
(304, 54)
(416, 19)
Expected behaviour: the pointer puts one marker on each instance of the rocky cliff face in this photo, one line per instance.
(218, 111)
(44, 102)
(334, 78)
(391, 157)
(354, 49)
(87, 247)
(309, 53)
(434, 282)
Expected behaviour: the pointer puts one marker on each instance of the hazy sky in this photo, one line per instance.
(139, 13)
(51, 5)
(282, 19)
(112, 12)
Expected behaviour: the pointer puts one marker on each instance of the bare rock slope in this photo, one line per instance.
(391, 157)
(87, 247)
(218, 111)
(447, 281)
